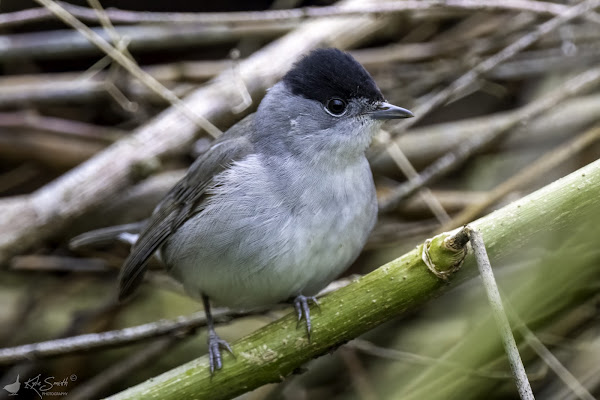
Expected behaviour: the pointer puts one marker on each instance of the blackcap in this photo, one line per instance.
(281, 203)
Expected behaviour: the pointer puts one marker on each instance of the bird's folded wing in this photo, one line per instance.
(182, 201)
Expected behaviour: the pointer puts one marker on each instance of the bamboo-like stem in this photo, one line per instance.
(278, 349)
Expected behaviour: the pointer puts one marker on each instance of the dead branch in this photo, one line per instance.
(69, 43)
(30, 219)
(133, 17)
(449, 161)
(425, 144)
(121, 337)
(542, 166)
(466, 81)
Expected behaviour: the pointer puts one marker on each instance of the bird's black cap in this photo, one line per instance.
(327, 73)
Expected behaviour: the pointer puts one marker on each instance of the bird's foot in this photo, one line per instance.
(303, 309)
(215, 345)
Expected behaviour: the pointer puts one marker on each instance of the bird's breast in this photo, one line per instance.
(272, 232)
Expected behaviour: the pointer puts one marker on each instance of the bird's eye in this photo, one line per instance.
(336, 106)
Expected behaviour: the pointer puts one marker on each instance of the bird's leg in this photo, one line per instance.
(303, 309)
(215, 343)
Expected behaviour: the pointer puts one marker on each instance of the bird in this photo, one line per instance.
(13, 388)
(279, 205)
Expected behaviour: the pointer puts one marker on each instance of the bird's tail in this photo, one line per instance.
(104, 236)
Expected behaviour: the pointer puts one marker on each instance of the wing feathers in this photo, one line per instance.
(184, 199)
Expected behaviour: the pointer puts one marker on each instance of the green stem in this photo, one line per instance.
(276, 350)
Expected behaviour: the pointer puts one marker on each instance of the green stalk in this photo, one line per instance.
(276, 350)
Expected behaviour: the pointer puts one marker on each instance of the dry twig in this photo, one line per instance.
(446, 163)
(135, 17)
(491, 289)
(121, 337)
(542, 166)
(46, 211)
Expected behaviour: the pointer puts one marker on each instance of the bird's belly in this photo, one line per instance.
(247, 260)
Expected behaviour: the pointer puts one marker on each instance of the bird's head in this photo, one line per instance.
(326, 103)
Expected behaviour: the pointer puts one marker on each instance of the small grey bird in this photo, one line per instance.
(279, 205)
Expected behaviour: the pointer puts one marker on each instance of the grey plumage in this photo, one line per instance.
(282, 203)
(184, 200)
(283, 220)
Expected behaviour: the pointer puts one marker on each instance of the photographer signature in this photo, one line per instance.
(48, 385)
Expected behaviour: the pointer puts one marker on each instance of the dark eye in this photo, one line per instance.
(336, 106)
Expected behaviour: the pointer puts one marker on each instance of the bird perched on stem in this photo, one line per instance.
(279, 205)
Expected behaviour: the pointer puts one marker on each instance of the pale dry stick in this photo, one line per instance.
(93, 70)
(536, 62)
(423, 145)
(440, 167)
(544, 164)
(36, 88)
(451, 200)
(491, 289)
(468, 79)
(134, 17)
(116, 39)
(531, 63)
(462, 84)
(235, 71)
(404, 164)
(107, 24)
(451, 160)
(68, 43)
(44, 263)
(120, 337)
(28, 220)
(572, 383)
(563, 373)
(585, 362)
(471, 41)
(59, 126)
(130, 66)
(16, 18)
(120, 44)
(409, 171)
(42, 91)
(123, 16)
(119, 97)
(94, 84)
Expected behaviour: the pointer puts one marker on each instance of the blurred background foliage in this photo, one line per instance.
(57, 110)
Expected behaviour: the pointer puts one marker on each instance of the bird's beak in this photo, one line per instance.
(389, 111)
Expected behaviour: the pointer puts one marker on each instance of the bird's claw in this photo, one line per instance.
(303, 309)
(215, 345)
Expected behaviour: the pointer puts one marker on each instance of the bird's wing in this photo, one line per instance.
(183, 200)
